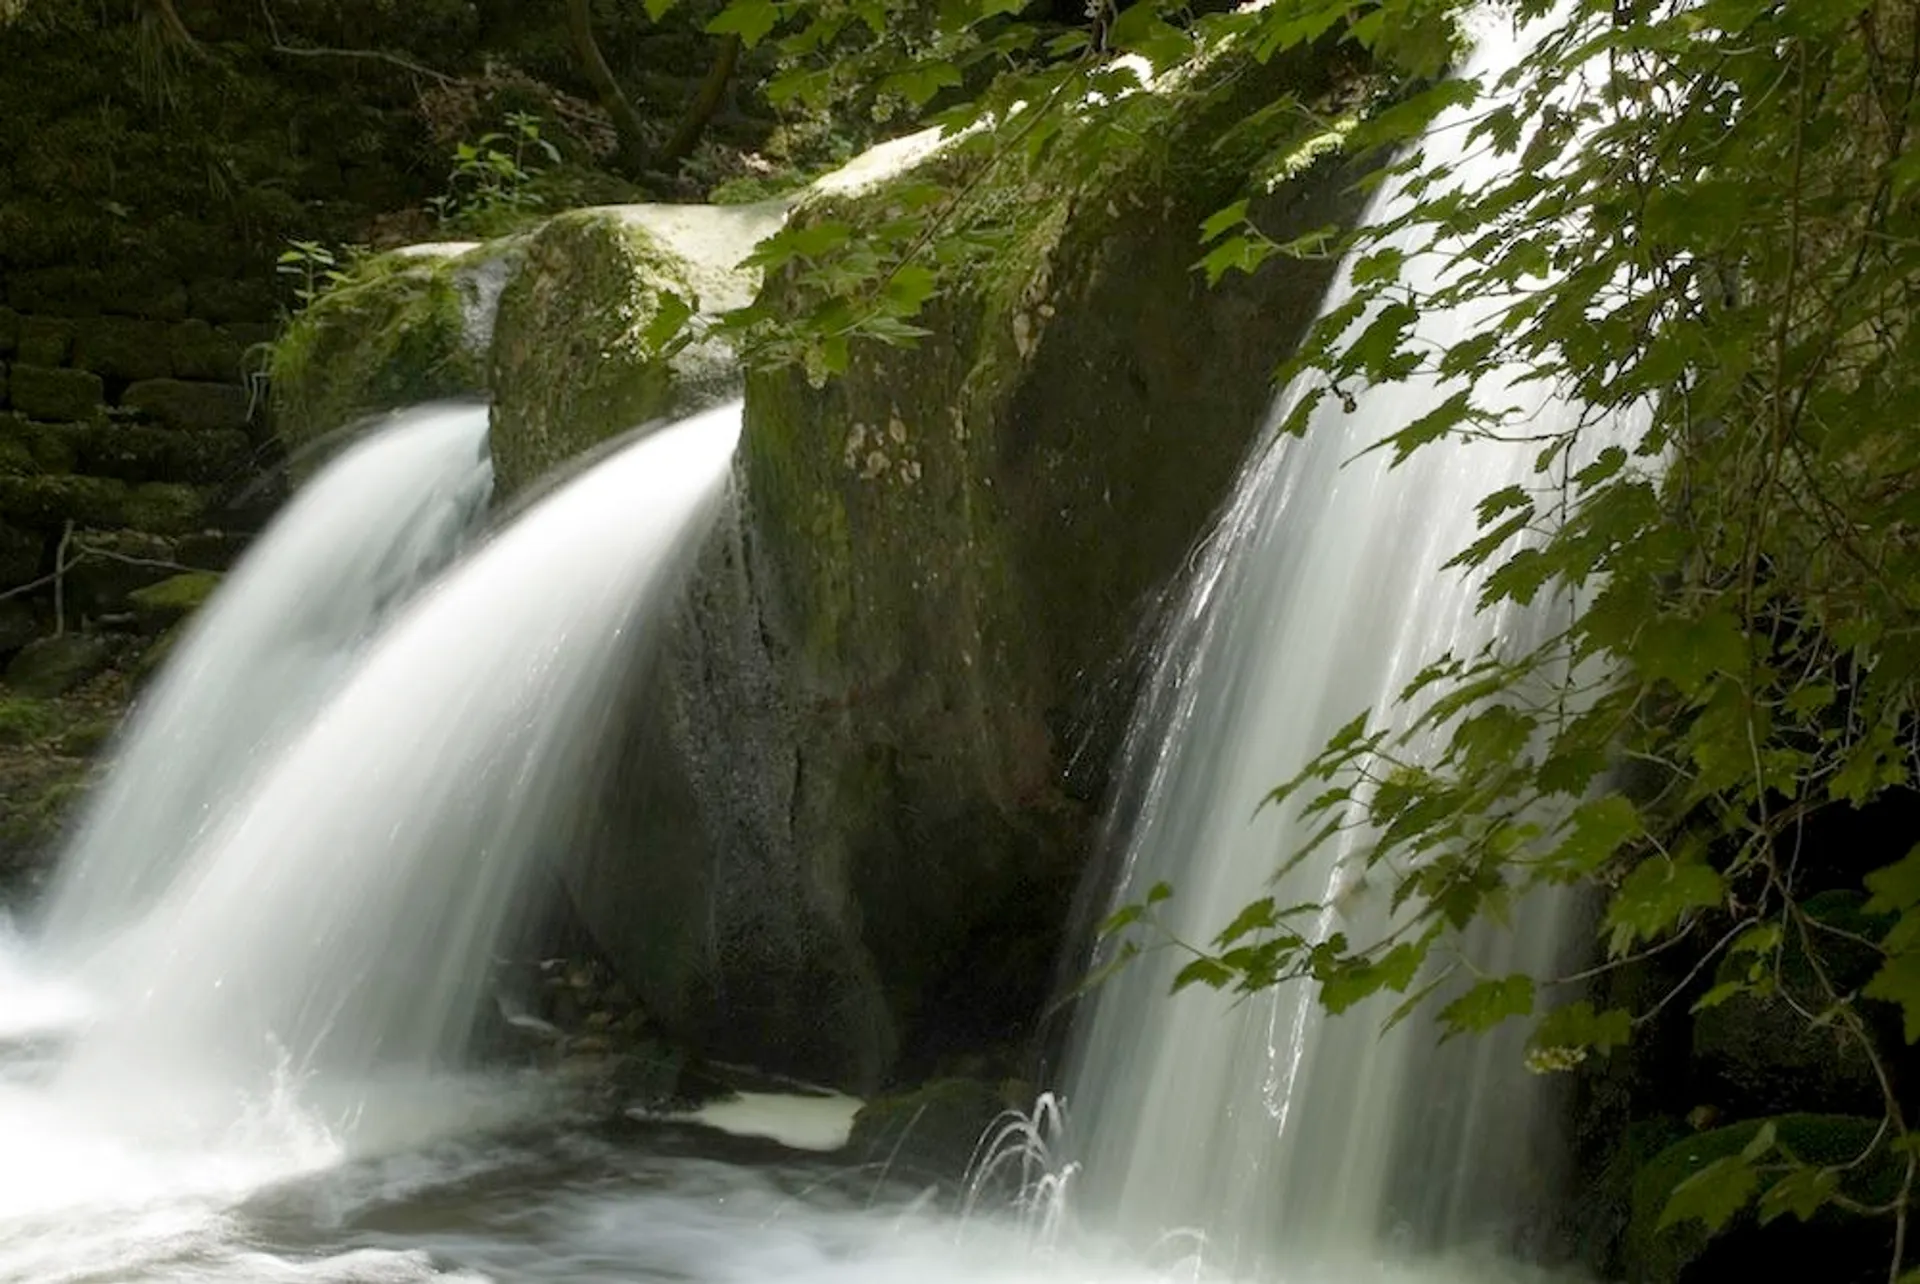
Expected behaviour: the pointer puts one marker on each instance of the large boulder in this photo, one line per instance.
(406, 327)
(603, 327)
(846, 839)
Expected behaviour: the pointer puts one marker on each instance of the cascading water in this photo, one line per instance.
(1269, 1135)
(301, 990)
(373, 527)
(340, 922)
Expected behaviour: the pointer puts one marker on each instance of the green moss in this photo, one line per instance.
(48, 502)
(24, 720)
(581, 348)
(393, 335)
(162, 508)
(160, 605)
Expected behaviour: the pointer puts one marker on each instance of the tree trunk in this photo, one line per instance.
(705, 105)
(626, 121)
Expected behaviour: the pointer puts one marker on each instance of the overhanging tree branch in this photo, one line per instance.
(626, 120)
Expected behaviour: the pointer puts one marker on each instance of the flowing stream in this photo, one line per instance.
(234, 1051)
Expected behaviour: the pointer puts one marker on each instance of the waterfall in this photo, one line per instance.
(1273, 1137)
(373, 527)
(336, 928)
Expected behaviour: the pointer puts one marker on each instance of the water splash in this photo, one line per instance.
(372, 528)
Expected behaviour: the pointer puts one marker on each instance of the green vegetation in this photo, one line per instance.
(1713, 229)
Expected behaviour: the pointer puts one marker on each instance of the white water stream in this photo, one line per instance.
(373, 527)
(1270, 1137)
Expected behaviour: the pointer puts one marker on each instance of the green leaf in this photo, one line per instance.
(1489, 1003)
(1257, 916)
(667, 330)
(1206, 971)
(1712, 1195)
(1223, 219)
(1236, 254)
(1895, 888)
(1599, 828)
(1898, 981)
(1687, 652)
(919, 83)
(1656, 895)
(909, 288)
(1159, 892)
(1577, 1027)
(1346, 984)
(1140, 29)
(1120, 920)
(657, 9)
(1719, 994)
(750, 20)
(1802, 1192)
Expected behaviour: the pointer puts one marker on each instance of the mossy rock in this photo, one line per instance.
(935, 1132)
(587, 342)
(892, 662)
(396, 333)
(159, 606)
(52, 666)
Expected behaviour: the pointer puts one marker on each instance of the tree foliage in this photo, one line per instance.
(1710, 233)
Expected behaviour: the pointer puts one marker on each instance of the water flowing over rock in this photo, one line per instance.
(338, 925)
(355, 544)
(1281, 1138)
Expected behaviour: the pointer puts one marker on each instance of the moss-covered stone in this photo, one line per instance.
(47, 503)
(395, 334)
(25, 719)
(196, 350)
(18, 623)
(45, 341)
(122, 348)
(580, 349)
(933, 1133)
(52, 666)
(44, 392)
(9, 331)
(19, 555)
(164, 508)
(33, 446)
(159, 606)
(189, 404)
(144, 452)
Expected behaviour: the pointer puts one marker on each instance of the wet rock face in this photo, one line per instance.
(846, 844)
